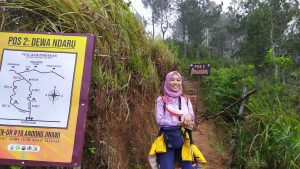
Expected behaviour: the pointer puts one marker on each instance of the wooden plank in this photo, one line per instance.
(241, 110)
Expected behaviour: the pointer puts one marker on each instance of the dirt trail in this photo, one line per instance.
(205, 136)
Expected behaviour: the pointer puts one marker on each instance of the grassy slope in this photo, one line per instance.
(268, 134)
(126, 66)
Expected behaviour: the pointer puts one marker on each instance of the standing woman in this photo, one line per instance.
(173, 111)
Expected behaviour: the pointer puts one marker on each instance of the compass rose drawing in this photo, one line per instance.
(54, 95)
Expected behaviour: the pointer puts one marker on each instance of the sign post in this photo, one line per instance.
(44, 86)
(199, 70)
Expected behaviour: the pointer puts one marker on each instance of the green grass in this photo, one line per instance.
(126, 64)
(219, 147)
(277, 138)
(269, 137)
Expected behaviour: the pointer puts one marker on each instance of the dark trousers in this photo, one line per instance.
(167, 160)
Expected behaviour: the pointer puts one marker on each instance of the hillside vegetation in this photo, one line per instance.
(126, 67)
(249, 44)
(254, 45)
(267, 133)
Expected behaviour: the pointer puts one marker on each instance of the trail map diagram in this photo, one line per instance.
(36, 88)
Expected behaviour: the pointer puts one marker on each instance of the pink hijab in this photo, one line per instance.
(167, 89)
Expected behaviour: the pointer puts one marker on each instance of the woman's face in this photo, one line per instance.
(175, 83)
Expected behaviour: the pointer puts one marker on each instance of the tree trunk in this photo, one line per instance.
(183, 39)
(272, 44)
(222, 54)
(283, 77)
(198, 52)
(164, 30)
(184, 50)
(3, 16)
(2, 22)
(153, 25)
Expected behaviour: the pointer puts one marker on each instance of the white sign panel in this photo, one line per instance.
(36, 88)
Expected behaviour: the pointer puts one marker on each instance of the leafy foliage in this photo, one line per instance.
(268, 137)
(225, 85)
(271, 135)
(196, 16)
(126, 66)
(257, 28)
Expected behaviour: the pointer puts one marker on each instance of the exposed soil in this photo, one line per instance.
(205, 135)
(121, 144)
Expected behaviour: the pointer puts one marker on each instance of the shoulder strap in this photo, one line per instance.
(179, 102)
(179, 106)
(164, 98)
(187, 100)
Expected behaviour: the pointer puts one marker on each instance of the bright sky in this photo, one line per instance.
(139, 7)
(146, 13)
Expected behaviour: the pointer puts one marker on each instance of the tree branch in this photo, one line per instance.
(228, 107)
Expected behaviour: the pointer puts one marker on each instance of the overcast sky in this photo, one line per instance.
(139, 7)
(146, 13)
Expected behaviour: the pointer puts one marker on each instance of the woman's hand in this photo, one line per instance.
(187, 126)
(186, 121)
